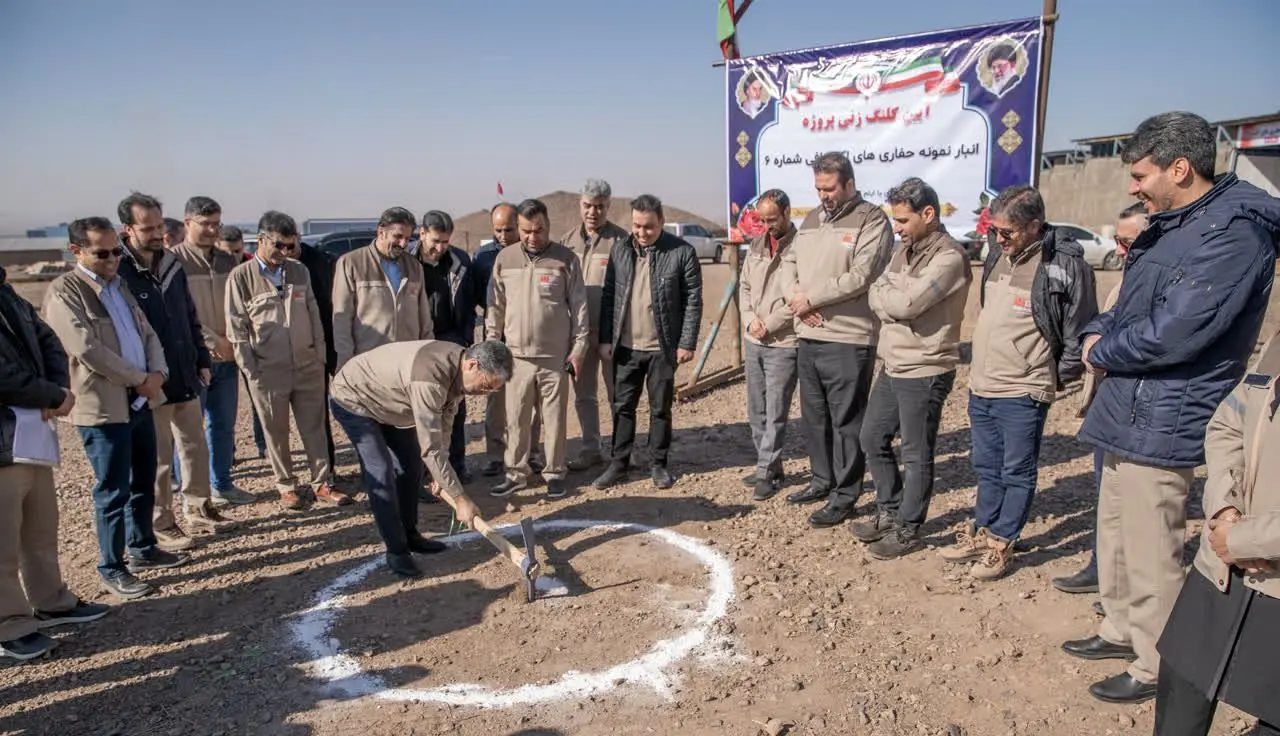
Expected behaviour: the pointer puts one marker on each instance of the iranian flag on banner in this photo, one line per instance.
(926, 70)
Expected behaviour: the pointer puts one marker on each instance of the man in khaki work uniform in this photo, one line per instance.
(592, 241)
(1037, 295)
(207, 268)
(766, 283)
(396, 403)
(274, 324)
(840, 250)
(378, 295)
(920, 301)
(538, 307)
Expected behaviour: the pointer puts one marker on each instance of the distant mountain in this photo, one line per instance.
(473, 229)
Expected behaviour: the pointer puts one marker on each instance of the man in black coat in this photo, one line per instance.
(320, 266)
(650, 313)
(35, 380)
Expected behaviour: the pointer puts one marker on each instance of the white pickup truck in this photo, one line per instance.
(697, 236)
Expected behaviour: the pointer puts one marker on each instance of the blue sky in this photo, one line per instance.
(336, 109)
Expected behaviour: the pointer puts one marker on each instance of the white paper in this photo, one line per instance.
(35, 440)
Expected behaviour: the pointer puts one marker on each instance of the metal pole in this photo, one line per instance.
(735, 263)
(1050, 19)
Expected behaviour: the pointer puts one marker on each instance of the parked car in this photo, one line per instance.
(336, 244)
(1099, 250)
(697, 236)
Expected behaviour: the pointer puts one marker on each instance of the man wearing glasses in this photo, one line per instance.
(1037, 296)
(273, 323)
(118, 373)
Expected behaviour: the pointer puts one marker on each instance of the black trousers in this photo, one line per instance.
(911, 407)
(391, 467)
(633, 371)
(1182, 710)
(835, 382)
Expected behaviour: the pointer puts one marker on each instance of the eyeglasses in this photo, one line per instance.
(1002, 234)
(103, 255)
(280, 244)
(1124, 242)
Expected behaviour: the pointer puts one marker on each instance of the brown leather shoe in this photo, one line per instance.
(292, 500)
(327, 494)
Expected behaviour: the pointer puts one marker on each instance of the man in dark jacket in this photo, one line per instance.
(650, 313)
(157, 281)
(447, 277)
(320, 267)
(1177, 341)
(1037, 296)
(35, 379)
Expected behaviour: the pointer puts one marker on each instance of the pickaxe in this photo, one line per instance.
(525, 559)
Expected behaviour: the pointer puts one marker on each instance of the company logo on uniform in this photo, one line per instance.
(1022, 304)
(848, 240)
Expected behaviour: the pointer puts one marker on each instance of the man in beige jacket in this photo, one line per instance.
(118, 372)
(592, 242)
(538, 307)
(274, 325)
(920, 301)
(378, 295)
(841, 249)
(396, 403)
(765, 285)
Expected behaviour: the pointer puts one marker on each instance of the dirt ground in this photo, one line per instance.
(816, 637)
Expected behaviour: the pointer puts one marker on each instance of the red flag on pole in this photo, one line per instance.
(499, 187)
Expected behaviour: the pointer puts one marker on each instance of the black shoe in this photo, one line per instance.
(876, 528)
(127, 586)
(492, 468)
(507, 487)
(464, 475)
(898, 543)
(808, 495)
(1085, 581)
(404, 566)
(156, 559)
(662, 478)
(556, 488)
(1099, 610)
(830, 515)
(1122, 689)
(751, 480)
(765, 489)
(426, 546)
(613, 475)
(80, 613)
(1095, 647)
(537, 466)
(425, 497)
(27, 647)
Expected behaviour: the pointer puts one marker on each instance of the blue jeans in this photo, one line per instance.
(1006, 448)
(220, 404)
(123, 458)
(391, 468)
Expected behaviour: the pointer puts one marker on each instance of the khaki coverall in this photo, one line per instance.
(279, 344)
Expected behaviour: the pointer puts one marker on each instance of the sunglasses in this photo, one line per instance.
(280, 244)
(1125, 242)
(1002, 234)
(103, 255)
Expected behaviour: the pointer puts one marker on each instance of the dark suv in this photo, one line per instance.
(336, 244)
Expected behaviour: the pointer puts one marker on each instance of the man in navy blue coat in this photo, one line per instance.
(1177, 341)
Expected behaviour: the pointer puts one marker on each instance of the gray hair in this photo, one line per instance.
(492, 358)
(1173, 135)
(1020, 205)
(597, 189)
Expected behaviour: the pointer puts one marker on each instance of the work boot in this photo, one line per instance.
(128, 587)
(404, 566)
(875, 528)
(327, 494)
(899, 542)
(613, 475)
(173, 539)
(969, 545)
(491, 468)
(203, 518)
(585, 461)
(233, 495)
(556, 488)
(995, 563)
(507, 487)
(833, 514)
(292, 500)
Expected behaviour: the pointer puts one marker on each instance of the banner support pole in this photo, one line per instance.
(1049, 18)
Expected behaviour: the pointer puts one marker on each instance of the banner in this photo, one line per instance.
(956, 108)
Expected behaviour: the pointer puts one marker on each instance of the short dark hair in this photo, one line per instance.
(1137, 208)
(1170, 136)
(173, 228)
(834, 162)
(777, 196)
(531, 208)
(231, 234)
(648, 203)
(437, 220)
(1020, 204)
(750, 78)
(501, 205)
(201, 207)
(78, 231)
(1003, 51)
(135, 199)
(916, 195)
(277, 223)
(397, 216)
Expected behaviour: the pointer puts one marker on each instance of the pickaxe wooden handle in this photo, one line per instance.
(527, 565)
